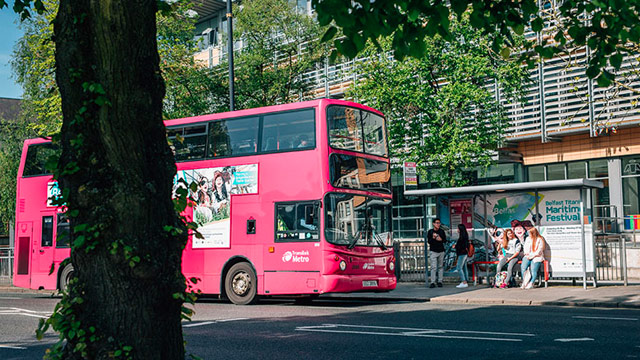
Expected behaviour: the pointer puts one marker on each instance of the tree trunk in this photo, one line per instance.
(118, 169)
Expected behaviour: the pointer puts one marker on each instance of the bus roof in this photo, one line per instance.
(267, 109)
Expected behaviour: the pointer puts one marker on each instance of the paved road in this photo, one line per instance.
(358, 329)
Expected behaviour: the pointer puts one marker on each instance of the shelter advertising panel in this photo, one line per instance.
(212, 210)
(561, 226)
(557, 215)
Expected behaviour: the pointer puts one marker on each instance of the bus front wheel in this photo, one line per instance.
(240, 284)
(65, 277)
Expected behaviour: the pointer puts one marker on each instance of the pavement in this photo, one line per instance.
(556, 294)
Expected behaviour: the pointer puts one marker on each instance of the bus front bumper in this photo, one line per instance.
(357, 283)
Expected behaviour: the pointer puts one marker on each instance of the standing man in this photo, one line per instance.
(436, 239)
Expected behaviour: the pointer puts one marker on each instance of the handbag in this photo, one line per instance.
(500, 280)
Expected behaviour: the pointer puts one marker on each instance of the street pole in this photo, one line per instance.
(230, 45)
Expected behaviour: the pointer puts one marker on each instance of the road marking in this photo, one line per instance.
(212, 322)
(13, 347)
(605, 318)
(576, 339)
(24, 312)
(413, 332)
(199, 324)
(227, 320)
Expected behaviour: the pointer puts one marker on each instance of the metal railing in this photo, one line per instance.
(410, 261)
(6, 266)
(611, 258)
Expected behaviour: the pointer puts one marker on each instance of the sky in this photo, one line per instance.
(9, 34)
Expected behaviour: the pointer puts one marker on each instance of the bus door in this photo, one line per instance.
(24, 233)
(294, 266)
(43, 248)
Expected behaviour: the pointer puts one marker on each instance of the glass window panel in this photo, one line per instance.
(289, 130)
(37, 156)
(357, 220)
(535, 173)
(235, 137)
(375, 135)
(297, 221)
(598, 168)
(631, 166)
(576, 170)
(358, 173)
(631, 196)
(345, 128)
(47, 231)
(555, 172)
(62, 231)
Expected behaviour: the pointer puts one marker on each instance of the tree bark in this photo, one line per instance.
(118, 169)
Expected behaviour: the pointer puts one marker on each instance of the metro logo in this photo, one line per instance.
(296, 256)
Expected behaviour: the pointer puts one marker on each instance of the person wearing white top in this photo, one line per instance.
(510, 248)
(533, 256)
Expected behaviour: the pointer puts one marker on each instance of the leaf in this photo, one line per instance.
(329, 34)
(616, 60)
(505, 52)
(603, 80)
(593, 71)
(459, 7)
(536, 24)
(519, 29)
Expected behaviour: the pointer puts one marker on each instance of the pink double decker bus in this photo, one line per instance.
(291, 199)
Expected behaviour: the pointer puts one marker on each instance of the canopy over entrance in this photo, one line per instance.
(526, 186)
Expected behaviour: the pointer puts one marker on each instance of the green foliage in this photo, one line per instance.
(33, 63)
(280, 43)
(607, 27)
(12, 135)
(188, 83)
(440, 112)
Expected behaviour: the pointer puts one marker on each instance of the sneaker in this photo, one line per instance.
(432, 285)
(439, 284)
(529, 286)
(462, 286)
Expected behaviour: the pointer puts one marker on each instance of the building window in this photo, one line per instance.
(555, 172)
(535, 173)
(577, 170)
(630, 191)
(598, 169)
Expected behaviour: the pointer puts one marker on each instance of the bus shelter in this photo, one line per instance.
(558, 208)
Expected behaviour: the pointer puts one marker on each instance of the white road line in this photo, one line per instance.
(227, 320)
(212, 322)
(576, 339)
(444, 330)
(199, 324)
(605, 318)
(397, 331)
(13, 347)
(24, 312)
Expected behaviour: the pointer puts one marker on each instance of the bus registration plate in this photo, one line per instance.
(369, 283)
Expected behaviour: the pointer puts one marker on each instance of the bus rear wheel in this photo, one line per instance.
(241, 284)
(65, 277)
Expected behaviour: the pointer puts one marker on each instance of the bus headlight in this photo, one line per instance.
(343, 265)
(392, 265)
